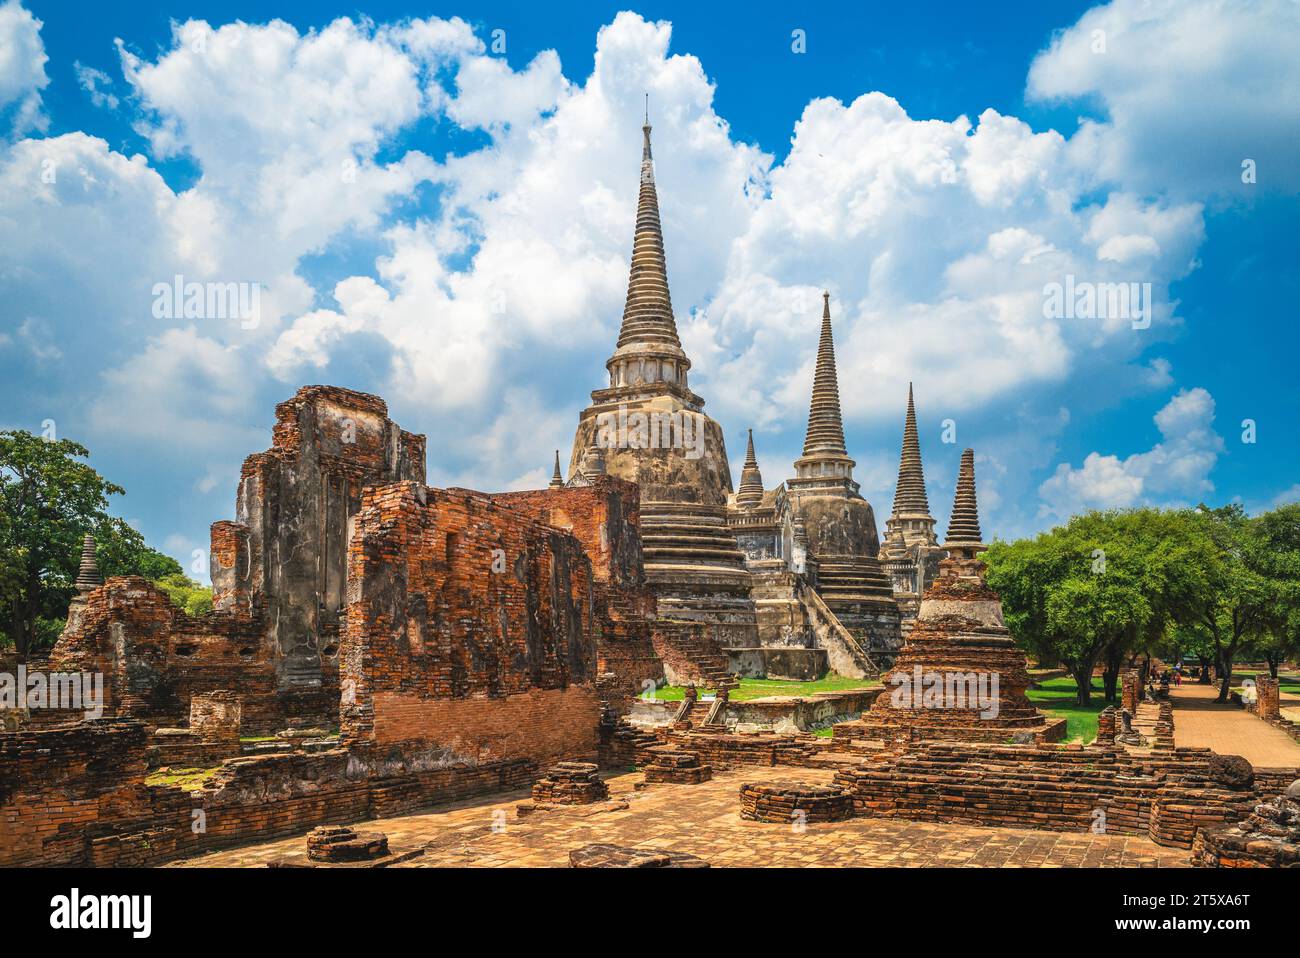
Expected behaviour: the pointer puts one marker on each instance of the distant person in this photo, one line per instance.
(1178, 674)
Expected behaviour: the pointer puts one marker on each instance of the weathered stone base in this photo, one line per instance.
(792, 664)
(1069, 788)
(794, 803)
(570, 783)
(341, 843)
(670, 765)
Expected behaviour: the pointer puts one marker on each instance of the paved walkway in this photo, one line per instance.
(1201, 722)
(705, 820)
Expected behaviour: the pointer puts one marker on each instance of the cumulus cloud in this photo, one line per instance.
(1211, 83)
(921, 228)
(547, 210)
(1178, 466)
(494, 274)
(22, 68)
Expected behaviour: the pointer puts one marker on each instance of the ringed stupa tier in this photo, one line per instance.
(960, 676)
(910, 552)
(840, 524)
(652, 430)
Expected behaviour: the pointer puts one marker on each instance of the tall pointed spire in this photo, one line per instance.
(964, 525)
(825, 428)
(909, 494)
(557, 480)
(88, 576)
(648, 312)
(750, 492)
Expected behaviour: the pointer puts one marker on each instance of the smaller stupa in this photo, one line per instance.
(88, 577)
(960, 675)
(750, 492)
(88, 580)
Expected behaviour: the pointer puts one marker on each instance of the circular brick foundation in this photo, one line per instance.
(794, 802)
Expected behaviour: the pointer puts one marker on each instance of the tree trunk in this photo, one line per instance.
(1110, 674)
(1204, 677)
(1225, 675)
(1082, 672)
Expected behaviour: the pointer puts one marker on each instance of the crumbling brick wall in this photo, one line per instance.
(58, 784)
(605, 518)
(278, 577)
(1164, 795)
(286, 553)
(1268, 704)
(470, 631)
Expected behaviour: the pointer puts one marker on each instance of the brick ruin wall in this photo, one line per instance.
(278, 576)
(1164, 795)
(470, 632)
(605, 518)
(457, 681)
(77, 796)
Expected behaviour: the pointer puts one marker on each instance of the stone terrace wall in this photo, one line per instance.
(470, 632)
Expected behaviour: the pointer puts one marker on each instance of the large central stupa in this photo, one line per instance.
(652, 430)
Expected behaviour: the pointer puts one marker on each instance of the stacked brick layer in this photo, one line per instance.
(794, 802)
(571, 783)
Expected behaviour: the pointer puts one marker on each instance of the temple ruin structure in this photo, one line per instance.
(910, 552)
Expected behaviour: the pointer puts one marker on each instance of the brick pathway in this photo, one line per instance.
(704, 820)
(1200, 722)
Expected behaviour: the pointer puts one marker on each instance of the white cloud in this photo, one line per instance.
(1208, 82)
(491, 307)
(184, 391)
(936, 240)
(1290, 494)
(97, 85)
(22, 68)
(547, 208)
(1177, 466)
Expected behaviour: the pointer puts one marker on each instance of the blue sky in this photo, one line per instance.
(447, 223)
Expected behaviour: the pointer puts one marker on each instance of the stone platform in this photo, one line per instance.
(703, 820)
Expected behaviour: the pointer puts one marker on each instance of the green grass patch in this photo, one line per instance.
(1056, 698)
(184, 778)
(762, 688)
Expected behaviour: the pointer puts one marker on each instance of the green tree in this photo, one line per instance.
(1218, 590)
(1273, 552)
(49, 499)
(120, 550)
(186, 594)
(1097, 590)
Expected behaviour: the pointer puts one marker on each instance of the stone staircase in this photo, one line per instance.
(846, 654)
(689, 652)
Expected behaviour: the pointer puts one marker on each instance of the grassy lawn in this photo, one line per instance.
(1056, 698)
(761, 688)
(182, 777)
